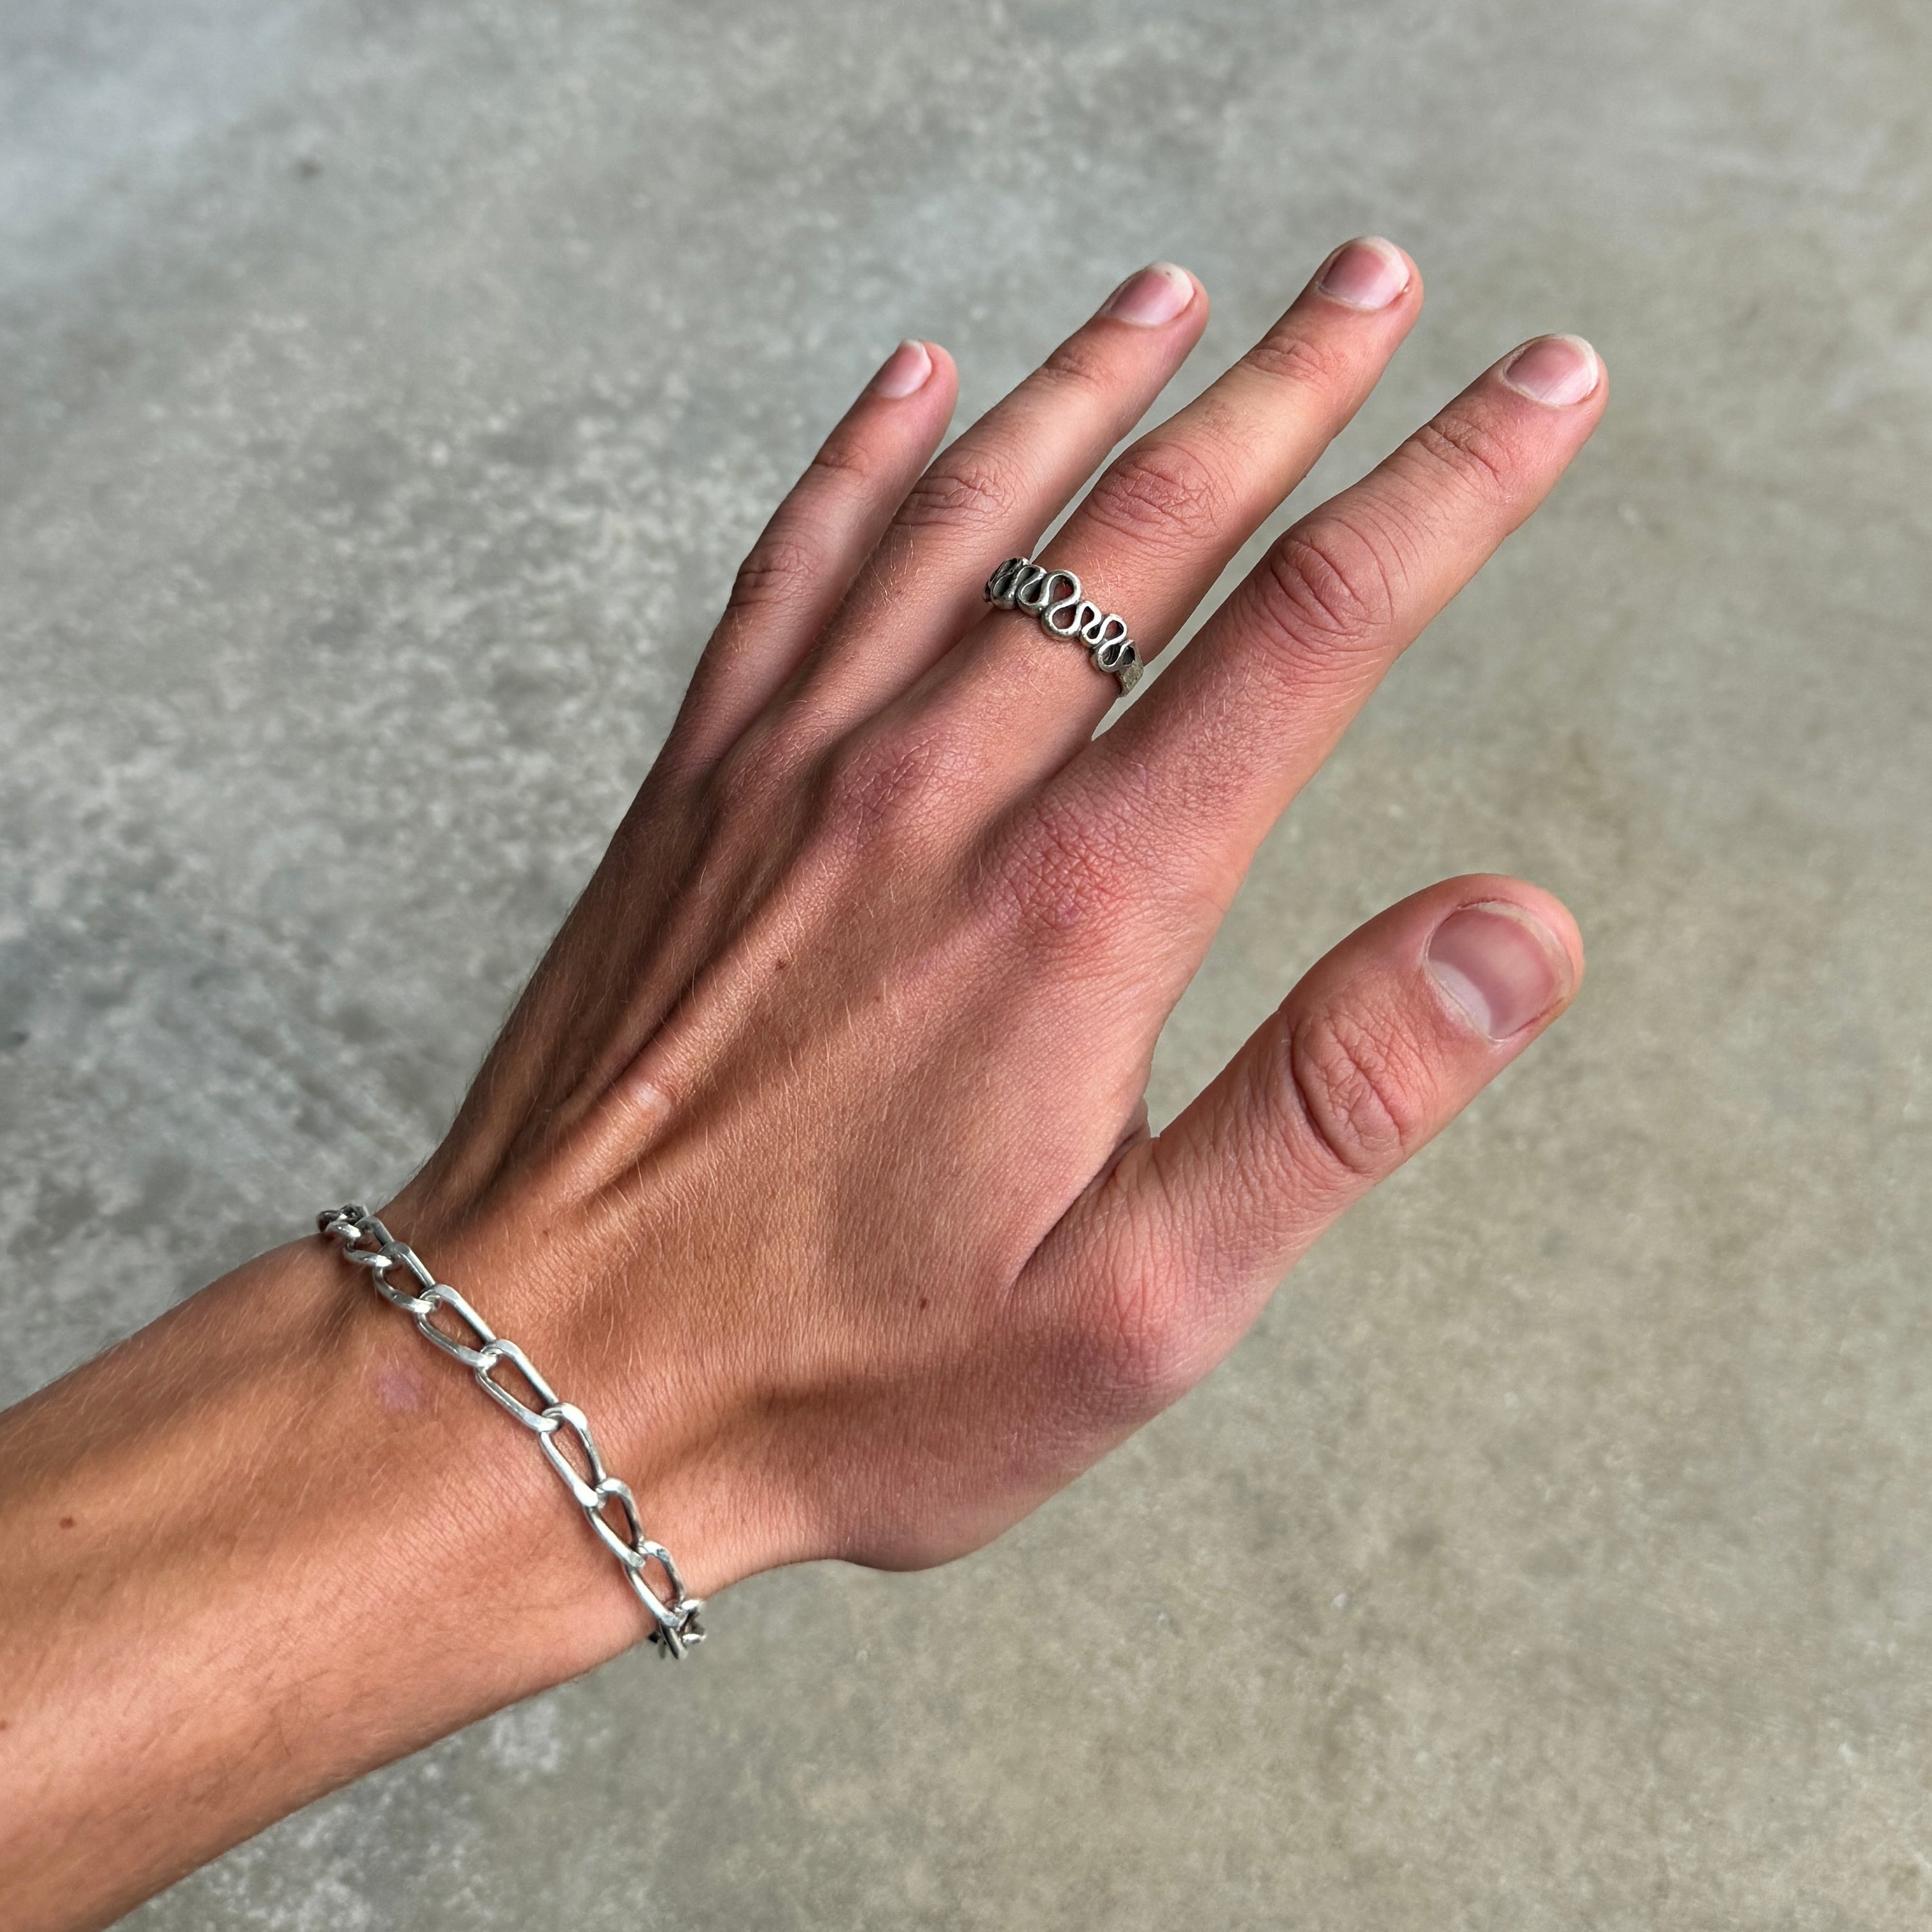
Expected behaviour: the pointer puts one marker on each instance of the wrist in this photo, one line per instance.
(482, 1544)
(270, 1539)
(670, 1400)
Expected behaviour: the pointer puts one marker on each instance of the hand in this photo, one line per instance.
(814, 1164)
(815, 1154)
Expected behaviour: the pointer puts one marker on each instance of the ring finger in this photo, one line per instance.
(994, 489)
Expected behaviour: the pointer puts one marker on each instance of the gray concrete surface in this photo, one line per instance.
(385, 392)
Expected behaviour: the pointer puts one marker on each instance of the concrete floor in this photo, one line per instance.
(386, 391)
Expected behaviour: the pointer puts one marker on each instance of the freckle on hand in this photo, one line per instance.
(398, 1388)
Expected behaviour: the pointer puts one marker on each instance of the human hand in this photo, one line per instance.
(814, 1163)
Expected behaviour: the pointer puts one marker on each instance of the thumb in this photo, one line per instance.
(1384, 1042)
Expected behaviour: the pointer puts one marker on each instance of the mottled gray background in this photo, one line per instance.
(386, 391)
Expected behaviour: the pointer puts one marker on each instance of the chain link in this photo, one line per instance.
(364, 1240)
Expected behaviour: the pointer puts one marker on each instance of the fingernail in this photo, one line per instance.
(1498, 966)
(1367, 273)
(904, 371)
(1554, 369)
(1157, 294)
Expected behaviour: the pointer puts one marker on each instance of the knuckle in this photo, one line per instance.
(1151, 1347)
(842, 459)
(1361, 1101)
(1292, 358)
(1061, 884)
(748, 781)
(889, 785)
(780, 570)
(1329, 584)
(975, 491)
(1471, 457)
(1131, 1333)
(1146, 1349)
(1080, 362)
(1165, 495)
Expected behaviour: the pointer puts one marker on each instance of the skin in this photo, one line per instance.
(813, 1164)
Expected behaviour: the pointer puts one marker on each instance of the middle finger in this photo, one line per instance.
(1163, 522)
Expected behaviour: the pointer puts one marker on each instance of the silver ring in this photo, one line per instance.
(1055, 598)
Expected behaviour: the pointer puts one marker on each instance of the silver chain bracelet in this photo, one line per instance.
(365, 1241)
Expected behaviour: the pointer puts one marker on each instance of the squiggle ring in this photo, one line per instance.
(1054, 597)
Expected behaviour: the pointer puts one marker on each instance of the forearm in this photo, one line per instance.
(260, 1548)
